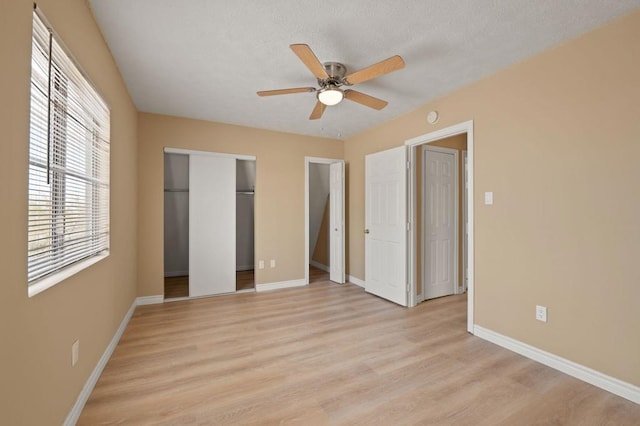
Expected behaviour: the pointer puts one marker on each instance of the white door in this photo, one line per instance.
(212, 225)
(336, 222)
(386, 224)
(439, 211)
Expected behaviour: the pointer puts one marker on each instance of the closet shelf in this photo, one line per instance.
(245, 192)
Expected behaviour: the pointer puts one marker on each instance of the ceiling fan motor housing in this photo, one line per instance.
(336, 72)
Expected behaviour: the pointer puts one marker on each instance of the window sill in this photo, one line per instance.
(48, 282)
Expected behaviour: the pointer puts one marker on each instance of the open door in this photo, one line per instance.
(212, 225)
(336, 215)
(386, 224)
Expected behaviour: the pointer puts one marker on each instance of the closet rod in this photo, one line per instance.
(176, 190)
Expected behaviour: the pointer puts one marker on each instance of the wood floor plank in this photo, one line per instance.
(330, 354)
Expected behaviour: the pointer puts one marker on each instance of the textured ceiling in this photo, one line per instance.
(206, 59)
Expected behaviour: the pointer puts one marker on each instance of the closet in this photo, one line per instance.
(208, 223)
(319, 218)
(245, 191)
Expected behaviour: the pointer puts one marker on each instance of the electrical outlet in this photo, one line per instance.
(261, 264)
(541, 313)
(75, 352)
(272, 263)
(488, 198)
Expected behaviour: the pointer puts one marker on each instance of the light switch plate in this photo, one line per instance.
(261, 264)
(488, 198)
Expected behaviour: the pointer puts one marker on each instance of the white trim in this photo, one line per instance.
(412, 244)
(456, 214)
(457, 129)
(50, 280)
(586, 374)
(77, 408)
(150, 300)
(465, 215)
(307, 256)
(319, 265)
(356, 281)
(280, 284)
(168, 150)
(170, 274)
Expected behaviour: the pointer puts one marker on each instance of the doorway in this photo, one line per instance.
(324, 220)
(245, 208)
(208, 223)
(459, 138)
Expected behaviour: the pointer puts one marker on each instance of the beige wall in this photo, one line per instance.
(557, 140)
(279, 198)
(38, 384)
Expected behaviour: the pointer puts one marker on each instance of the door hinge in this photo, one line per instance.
(408, 165)
(408, 226)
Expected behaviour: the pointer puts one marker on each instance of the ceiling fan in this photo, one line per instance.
(332, 76)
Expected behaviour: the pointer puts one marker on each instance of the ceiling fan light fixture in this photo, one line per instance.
(331, 95)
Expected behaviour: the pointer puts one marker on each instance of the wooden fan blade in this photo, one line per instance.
(307, 56)
(366, 100)
(318, 110)
(286, 91)
(391, 64)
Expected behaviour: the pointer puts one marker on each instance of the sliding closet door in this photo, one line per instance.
(212, 225)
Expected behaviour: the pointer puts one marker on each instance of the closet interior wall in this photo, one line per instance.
(245, 190)
(176, 215)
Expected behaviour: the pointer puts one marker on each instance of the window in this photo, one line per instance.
(68, 225)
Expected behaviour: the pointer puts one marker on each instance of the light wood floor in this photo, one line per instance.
(317, 275)
(245, 280)
(176, 287)
(330, 354)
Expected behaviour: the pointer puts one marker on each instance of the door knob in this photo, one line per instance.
(366, 231)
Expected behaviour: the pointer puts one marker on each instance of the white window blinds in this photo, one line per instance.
(68, 162)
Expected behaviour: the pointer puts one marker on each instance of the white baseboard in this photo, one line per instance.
(149, 300)
(176, 274)
(586, 374)
(356, 281)
(319, 265)
(280, 284)
(74, 414)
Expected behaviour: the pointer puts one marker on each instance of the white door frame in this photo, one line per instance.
(319, 160)
(457, 129)
(465, 207)
(168, 150)
(456, 210)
